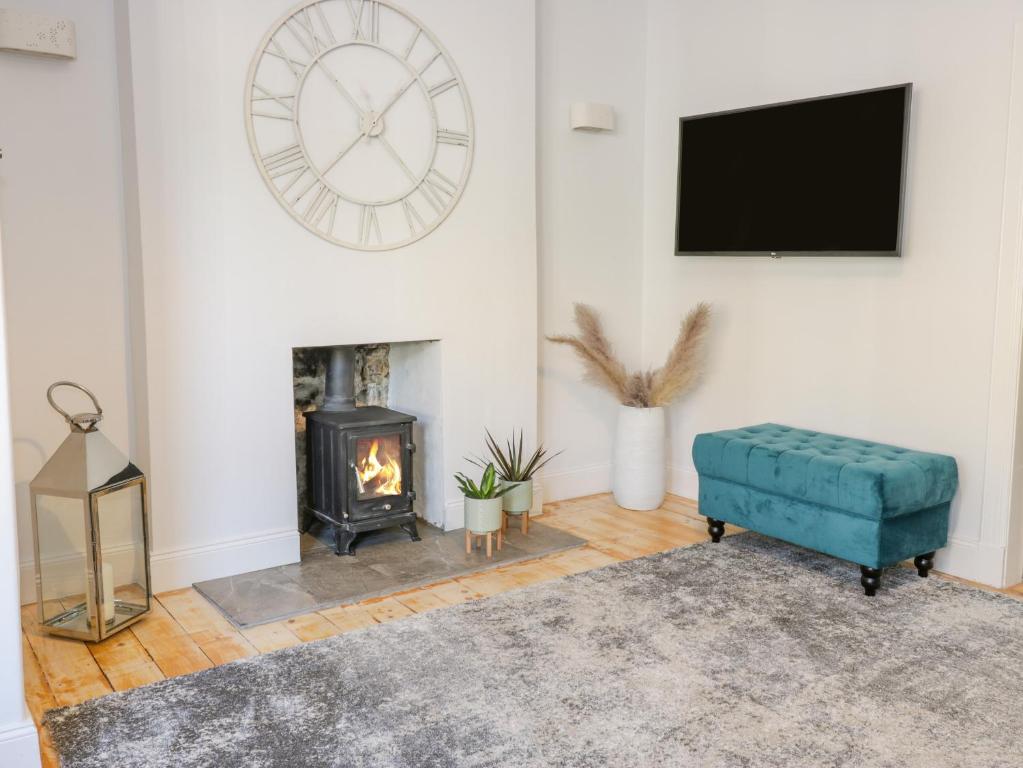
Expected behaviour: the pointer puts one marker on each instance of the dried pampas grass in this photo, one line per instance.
(641, 389)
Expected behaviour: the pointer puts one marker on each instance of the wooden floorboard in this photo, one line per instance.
(184, 633)
(213, 633)
(348, 618)
(168, 644)
(271, 637)
(38, 696)
(70, 671)
(311, 626)
(125, 662)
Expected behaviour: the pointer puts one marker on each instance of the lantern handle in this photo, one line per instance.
(81, 422)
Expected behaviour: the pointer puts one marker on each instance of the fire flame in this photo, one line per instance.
(379, 479)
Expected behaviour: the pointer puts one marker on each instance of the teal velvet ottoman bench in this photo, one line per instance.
(869, 503)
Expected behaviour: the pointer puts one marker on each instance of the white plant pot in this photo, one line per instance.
(638, 475)
(483, 515)
(520, 498)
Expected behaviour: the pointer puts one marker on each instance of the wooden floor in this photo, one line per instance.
(184, 633)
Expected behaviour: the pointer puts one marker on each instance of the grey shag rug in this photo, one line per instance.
(745, 653)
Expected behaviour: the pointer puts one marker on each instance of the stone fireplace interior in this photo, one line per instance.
(396, 391)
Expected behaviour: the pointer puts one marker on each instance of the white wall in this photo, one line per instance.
(60, 200)
(232, 283)
(416, 388)
(897, 350)
(19, 744)
(590, 218)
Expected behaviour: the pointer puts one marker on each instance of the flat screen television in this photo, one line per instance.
(822, 176)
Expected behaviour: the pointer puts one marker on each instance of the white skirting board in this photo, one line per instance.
(174, 569)
(573, 483)
(182, 567)
(683, 481)
(19, 745)
(973, 560)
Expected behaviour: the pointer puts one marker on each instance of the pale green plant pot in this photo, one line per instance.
(483, 515)
(520, 498)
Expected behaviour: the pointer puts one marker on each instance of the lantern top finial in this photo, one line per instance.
(79, 422)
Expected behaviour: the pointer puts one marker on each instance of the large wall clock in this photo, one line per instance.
(360, 122)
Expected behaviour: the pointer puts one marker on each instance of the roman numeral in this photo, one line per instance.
(439, 88)
(305, 190)
(368, 225)
(412, 217)
(440, 184)
(457, 138)
(284, 161)
(281, 99)
(438, 189)
(320, 204)
(296, 66)
(426, 66)
(297, 173)
(324, 24)
(412, 42)
(304, 30)
(366, 21)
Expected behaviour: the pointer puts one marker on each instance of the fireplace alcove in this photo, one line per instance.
(361, 465)
(403, 377)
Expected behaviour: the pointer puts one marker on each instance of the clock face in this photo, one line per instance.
(359, 122)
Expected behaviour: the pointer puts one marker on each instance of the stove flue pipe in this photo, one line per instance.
(339, 390)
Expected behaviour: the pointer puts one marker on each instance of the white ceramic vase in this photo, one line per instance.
(638, 475)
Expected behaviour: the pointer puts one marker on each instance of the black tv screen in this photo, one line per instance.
(820, 176)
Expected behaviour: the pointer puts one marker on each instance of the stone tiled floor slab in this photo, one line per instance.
(385, 562)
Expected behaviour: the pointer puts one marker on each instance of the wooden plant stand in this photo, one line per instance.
(523, 517)
(472, 538)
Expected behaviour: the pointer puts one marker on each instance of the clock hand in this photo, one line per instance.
(341, 154)
(411, 80)
(341, 89)
(416, 181)
(396, 96)
(396, 156)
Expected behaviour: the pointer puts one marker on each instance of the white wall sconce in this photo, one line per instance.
(37, 33)
(590, 116)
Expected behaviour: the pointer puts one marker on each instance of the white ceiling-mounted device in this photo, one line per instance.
(37, 33)
(589, 116)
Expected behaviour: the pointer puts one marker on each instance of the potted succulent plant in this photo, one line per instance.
(516, 470)
(482, 501)
(638, 478)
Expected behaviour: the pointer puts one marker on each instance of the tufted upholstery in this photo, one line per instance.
(859, 477)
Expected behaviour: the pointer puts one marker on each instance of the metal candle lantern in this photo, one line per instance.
(89, 519)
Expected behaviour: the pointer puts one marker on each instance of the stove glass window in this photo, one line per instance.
(378, 466)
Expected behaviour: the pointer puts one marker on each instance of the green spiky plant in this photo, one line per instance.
(488, 487)
(512, 464)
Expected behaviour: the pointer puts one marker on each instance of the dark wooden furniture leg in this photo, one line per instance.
(870, 578)
(923, 564)
(716, 529)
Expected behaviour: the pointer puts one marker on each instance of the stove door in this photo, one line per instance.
(380, 467)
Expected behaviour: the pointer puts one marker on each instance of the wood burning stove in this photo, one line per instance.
(360, 462)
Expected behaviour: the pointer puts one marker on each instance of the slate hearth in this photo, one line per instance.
(386, 562)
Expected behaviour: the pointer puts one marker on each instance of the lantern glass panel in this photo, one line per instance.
(123, 578)
(63, 561)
